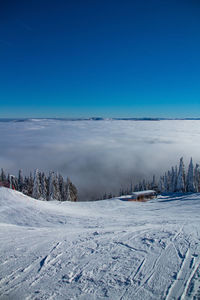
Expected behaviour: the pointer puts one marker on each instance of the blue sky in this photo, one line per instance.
(100, 58)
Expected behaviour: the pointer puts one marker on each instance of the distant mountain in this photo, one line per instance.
(21, 120)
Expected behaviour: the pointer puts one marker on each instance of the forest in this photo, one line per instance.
(55, 187)
(40, 186)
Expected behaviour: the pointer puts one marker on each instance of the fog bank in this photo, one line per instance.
(98, 156)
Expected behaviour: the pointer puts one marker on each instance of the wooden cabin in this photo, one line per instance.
(141, 196)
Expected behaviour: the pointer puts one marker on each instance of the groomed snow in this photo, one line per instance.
(99, 250)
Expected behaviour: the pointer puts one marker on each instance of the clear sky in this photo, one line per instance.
(100, 58)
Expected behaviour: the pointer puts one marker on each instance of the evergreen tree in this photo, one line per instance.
(57, 188)
(68, 196)
(174, 179)
(144, 187)
(25, 186)
(105, 196)
(166, 186)
(62, 187)
(197, 178)
(30, 184)
(36, 185)
(131, 188)
(153, 184)
(181, 177)
(190, 184)
(43, 186)
(52, 191)
(20, 181)
(71, 191)
(161, 187)
(3, 175)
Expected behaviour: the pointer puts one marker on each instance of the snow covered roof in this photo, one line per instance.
(148, 192)
(126, 197)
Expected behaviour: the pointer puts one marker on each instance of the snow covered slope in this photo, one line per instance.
(97, 250)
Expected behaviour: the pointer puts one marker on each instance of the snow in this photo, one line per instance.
(97, 250)
(146, 192)
(125, 197)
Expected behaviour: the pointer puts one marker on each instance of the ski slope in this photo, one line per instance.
(99, 250)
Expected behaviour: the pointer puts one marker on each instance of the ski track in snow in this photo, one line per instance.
(99, 250)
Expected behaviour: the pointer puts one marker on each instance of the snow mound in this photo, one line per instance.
(97, 250)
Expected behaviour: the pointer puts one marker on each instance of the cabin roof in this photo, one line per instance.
(148, 192)
(125, 197)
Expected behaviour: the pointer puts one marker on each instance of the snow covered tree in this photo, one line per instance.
(71, 191)
(166, 185)
(20, 181)
(36, 185)
(153, 183)
(68, 195)
(62, 187)
(136, 188)
(51, 195)
(197, 178)
(57, 188)
(3, 175)
(174, 179)
(43, 186)
(161, 187)
(105, 196)
(30, 184)
(140, 187)
(25, 186)
(131, 188)
(144, 186)
(190, 184)
(181, 177)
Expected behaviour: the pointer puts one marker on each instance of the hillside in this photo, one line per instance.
(97, 250)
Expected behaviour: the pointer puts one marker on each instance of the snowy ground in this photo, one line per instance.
(97, 250)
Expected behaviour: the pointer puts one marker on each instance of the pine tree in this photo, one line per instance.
(51, 195)
(3, 175)
(57, 188)
(174, 179)
(43, 187)
(71, 191)
(161, 187)
(197, 178)
(181, 177)
(20, 181)
(190, 185)
(140, 186)
(166, 185)
(62, 187)
(36, 185)
(131, 188)
(153, 184)
(144, 187)
(68, 196)
(25, 186)
(105, 196)
(30, 184)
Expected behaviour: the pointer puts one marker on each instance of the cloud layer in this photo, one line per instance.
(99, 156)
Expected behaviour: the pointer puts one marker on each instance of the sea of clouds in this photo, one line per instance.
(98, 156)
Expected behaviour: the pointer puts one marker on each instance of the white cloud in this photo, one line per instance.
(98, 155)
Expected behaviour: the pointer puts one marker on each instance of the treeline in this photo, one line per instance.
(54, 187)
(177, 179)
(40, 186)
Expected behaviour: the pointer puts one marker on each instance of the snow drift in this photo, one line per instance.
(97, 250)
